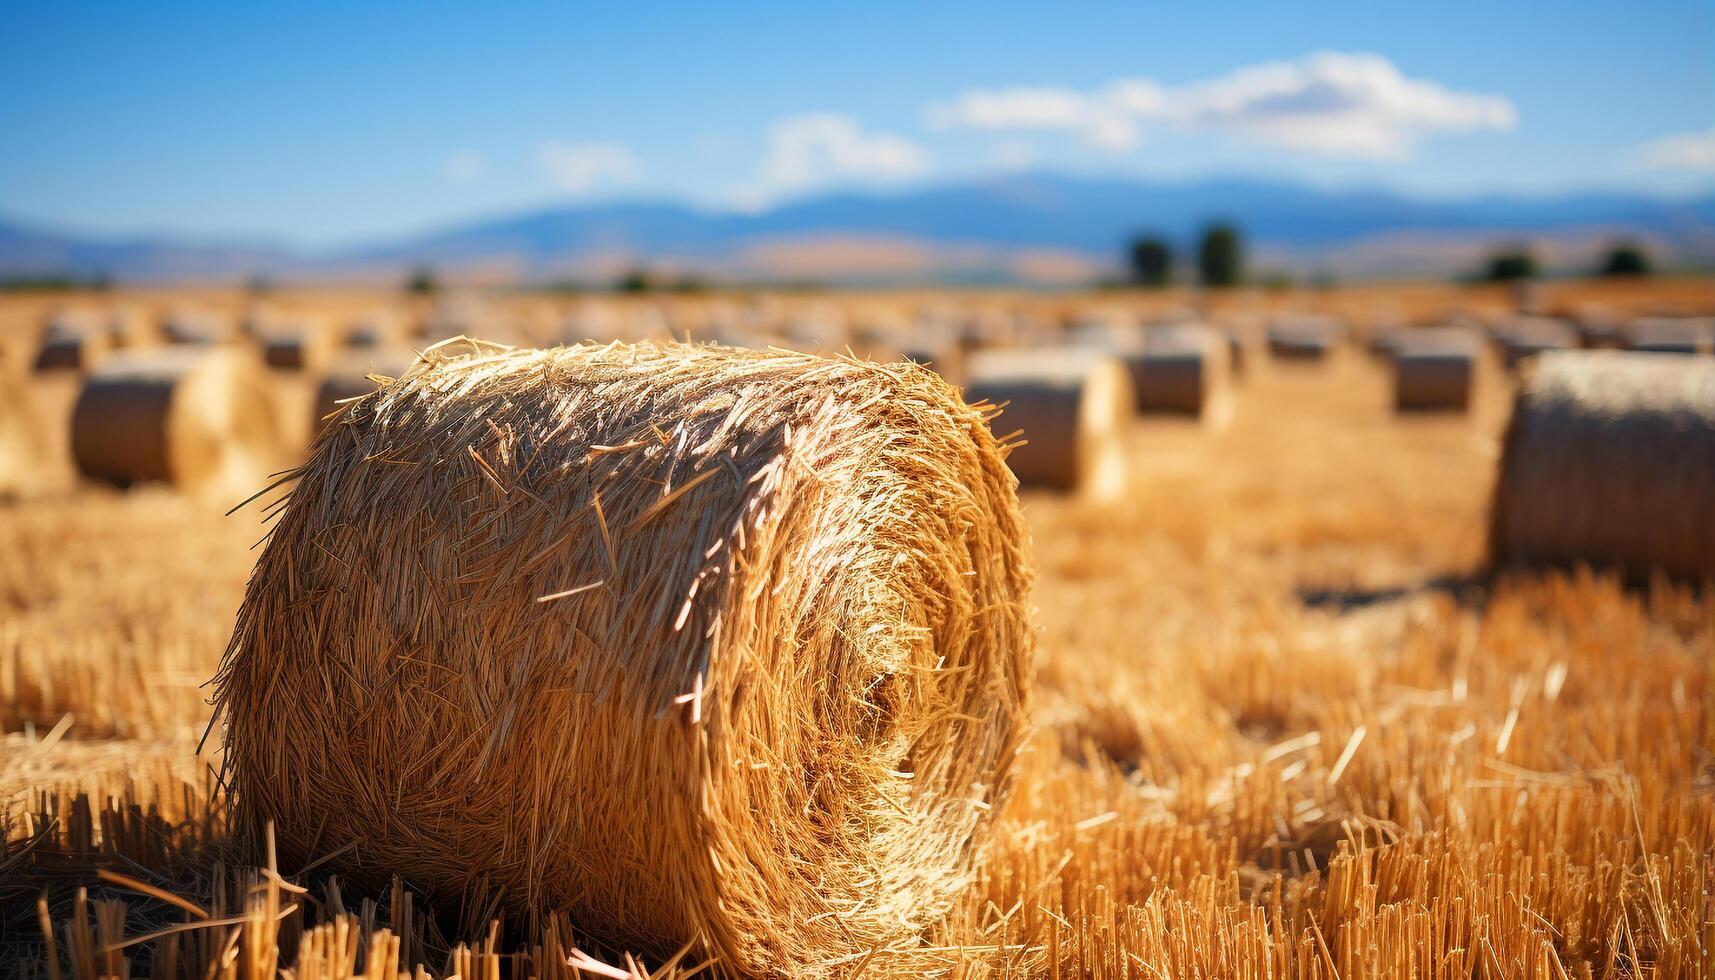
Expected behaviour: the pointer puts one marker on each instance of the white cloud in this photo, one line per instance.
(464, 166)
(580, 168)
(1099, 122)
(809, 151)
(1693, 151)
(1350, 105)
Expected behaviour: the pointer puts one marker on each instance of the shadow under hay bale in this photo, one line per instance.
(1609, 460)
(196, 418)
(1437, 369)
(698, 645)
(1070, 407)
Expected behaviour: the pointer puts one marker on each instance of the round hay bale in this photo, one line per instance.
(72, 341)
(21, 443)
(1610, 460)
(194, 418)
(1071, 408)
(377, 328)
(355, 375)
(303, 346)
(1178, 370)
(194, 328)
(1436, 369)
(1527, 336)
(1671, 335)
(700, 645)
(1304, 336)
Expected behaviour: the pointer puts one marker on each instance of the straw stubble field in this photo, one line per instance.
(1284, 729)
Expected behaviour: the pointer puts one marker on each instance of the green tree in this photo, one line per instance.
(1221, 256)
(1151, 261)
(635, 281)
(1626, 258)
(422, 282)
(1511, 264)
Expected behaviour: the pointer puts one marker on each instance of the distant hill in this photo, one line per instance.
(1024, 227)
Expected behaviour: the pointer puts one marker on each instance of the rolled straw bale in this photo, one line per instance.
(194, 328)
(1069, 405)
(699, 645)
(1304, 336)
(199, 417)
(1436, 369)
(73, 341)
(1527, 336)
(381, 327)
(1671, 335)
(1610, 460)
(1178, 370)
(941, 354)
(300, 345)
(354, 375)
(20, 430)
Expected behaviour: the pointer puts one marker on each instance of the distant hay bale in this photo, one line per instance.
(377, 328)
(1610, 460)
(195, 328)
(1671, 335)
(72, 341)
(1071, 408)
(353, 376)
(1527, 336)
(1304, 337)
(1178, 370)
(303, 345)
(194, 418)
(699, 645)
(1436, 369)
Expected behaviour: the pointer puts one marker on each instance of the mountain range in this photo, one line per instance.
(1040, 228)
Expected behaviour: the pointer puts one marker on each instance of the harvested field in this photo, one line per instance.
(1286, 727)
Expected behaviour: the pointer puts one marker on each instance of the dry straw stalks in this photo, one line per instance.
(698, 644)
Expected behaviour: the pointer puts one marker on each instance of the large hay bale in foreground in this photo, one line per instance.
(1070, 406)
(1436, 369)
(193, 417)
(701, 645)
(1610, 460)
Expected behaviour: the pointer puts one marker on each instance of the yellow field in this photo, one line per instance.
(1287, 728)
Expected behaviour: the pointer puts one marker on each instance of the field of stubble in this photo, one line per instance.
(1286, 729)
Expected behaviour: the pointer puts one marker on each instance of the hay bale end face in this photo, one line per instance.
(1178, 370)
(701, 645)
(1609, 460)
(193, 417)
(1436, 369)
(1070, 407)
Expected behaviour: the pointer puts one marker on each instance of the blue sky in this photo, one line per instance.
(319, 123)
